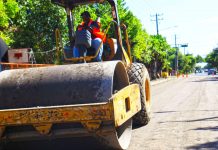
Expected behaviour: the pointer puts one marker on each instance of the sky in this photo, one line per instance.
(192, 22)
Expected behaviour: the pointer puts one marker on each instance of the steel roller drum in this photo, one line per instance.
(61, 85)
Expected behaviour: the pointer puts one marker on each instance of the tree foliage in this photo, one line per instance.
(199, 59)
(31, 23)
(212, 59)
(187, 63)
(139, 38)
(8, 10)
(158, 48)
(36, 22)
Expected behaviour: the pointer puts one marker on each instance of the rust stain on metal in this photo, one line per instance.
(56, 115)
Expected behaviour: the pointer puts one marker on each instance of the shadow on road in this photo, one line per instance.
(208, 128)
(163, 112)
(208, 145)
(195, 120)
(207, 79)
(169, 112)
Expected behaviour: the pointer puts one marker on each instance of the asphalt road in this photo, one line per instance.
(185, 116)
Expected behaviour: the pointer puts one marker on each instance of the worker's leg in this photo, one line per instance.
(96, 43)
(75, 52)
(79, 51)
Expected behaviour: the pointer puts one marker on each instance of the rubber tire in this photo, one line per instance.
(138, 74)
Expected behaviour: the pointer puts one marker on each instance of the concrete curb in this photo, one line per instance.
(162, 80)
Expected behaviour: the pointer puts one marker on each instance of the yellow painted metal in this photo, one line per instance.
(92, 125)
(121, 107)
(127, 43)
(59, 45)
(165, 74)
(128, 61)
(56, 114)
(126, 103)
(43, 128)
(148, 94)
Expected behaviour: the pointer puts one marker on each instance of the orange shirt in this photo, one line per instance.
(94, 29)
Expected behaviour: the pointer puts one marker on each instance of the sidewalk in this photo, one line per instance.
(161, 80)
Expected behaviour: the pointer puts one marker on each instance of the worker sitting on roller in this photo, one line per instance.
(88, 38)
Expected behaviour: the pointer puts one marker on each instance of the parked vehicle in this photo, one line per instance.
(211, 72)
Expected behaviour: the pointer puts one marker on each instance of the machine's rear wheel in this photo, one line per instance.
(139, 74)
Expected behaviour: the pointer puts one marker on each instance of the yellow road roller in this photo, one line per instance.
(100, 99)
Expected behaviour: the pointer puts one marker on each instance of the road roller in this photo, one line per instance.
(100, 99)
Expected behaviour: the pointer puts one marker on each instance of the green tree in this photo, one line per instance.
(166, 65)
(159, 50)
(8, 10)
(212, 59)
(199, 59)
(187, 64)
(138, 37)
(36, 22)
(171, 57)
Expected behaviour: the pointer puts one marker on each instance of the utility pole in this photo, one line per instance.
(157, 21)
(157, 28)
(176, 58)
